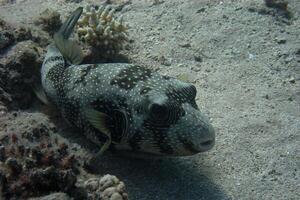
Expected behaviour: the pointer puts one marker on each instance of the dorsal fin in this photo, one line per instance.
(69, 48)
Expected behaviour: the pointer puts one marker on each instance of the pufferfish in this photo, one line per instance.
(121, 106)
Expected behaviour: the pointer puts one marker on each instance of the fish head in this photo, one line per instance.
(176, 125)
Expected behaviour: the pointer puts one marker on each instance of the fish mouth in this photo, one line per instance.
(207, 142)
(206, 145)
(193, 148)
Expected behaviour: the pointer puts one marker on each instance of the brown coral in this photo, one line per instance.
(36, 161)
(35, 171)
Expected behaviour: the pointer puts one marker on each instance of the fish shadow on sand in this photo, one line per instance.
(167, 179)
(154, 179)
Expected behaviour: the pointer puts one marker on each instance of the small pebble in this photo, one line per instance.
(198, 58)
(266, 96)
(280, 40)
(251, 56)
(292, 80)
(201, 10)
(185, 45)
(181, 65)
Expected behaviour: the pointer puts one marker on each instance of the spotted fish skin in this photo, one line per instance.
(149, 113)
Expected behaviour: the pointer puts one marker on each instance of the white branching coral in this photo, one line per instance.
(100, 29)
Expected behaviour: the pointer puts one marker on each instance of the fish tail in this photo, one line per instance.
(67, 28)
(69, 48)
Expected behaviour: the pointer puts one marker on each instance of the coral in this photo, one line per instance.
(101, 30)
(49, 20)
(35, 169)
(107, 187)
(33, 161)
(36, 161)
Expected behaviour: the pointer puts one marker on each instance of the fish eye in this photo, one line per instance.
(191, 92)
(158, 110)
(188, 92)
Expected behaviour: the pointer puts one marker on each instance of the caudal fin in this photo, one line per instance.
(68, 26)
(69, 48)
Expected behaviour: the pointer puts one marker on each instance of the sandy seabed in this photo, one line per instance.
(244, 59)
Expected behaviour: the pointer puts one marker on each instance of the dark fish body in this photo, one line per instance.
(137, 109)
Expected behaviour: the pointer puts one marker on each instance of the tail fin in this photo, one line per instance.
(67, 28)
(68, 48)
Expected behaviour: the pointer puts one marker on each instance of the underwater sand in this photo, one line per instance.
(244, 59)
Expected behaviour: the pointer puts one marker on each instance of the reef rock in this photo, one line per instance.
(19, 69)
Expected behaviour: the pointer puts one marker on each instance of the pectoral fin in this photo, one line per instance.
(99, 121)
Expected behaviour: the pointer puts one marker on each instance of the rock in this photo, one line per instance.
(180, 65)
(49, 20)
(6, 39)
(251, 56)
(292, 80)
(201, 10)
(6, 35)
(280, 40)
(19, 69)
(266, 96)
(185, 44)
(198, 58)
(22, 33)
(279, 4)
